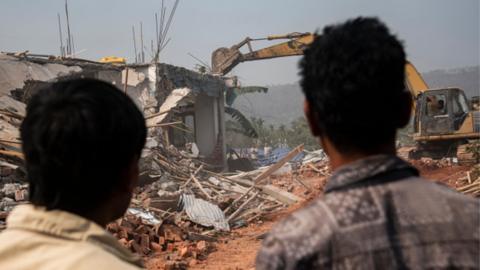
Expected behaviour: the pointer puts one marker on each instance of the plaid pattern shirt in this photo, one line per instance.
(377, 213)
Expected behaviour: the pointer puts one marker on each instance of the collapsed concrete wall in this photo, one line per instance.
(148, 85)
(14, 72)
(20, 77)
(151, 84)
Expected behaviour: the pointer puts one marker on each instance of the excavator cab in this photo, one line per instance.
(441, 111)
(443, 122)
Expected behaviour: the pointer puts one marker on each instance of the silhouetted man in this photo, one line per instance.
(377, 213)
(81, 140)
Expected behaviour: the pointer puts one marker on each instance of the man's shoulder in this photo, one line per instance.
(22, 249)
(435, 200)
(324, 216)
(94, 257)
(301, 234)
(315, 217)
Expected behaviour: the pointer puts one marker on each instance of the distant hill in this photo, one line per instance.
(463, 78)
(284, 103)
(280, 105)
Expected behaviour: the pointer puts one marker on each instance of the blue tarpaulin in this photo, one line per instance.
(275, 155)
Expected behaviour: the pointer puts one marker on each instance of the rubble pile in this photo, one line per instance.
(180, 177)
(178, 244)
(437, 163)
(182, 207)
(13, 190)
(470, 184)
(315, 163)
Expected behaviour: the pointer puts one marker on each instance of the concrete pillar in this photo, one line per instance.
(205, 124)
(221, 113)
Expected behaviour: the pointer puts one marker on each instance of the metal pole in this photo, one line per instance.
(69, 46)
(60, 33)
(134, 43)
(141, 42)
(73, 47)
(158, 38)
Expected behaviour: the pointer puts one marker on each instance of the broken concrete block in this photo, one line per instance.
(156, 247)
(124, 242)
(145, 242)
(192, 262)
(161, 240)
(183, 252)
(172, 233)
(19, 195)
(214, 180)
(170, 247)
(201, 246)
(10, 189)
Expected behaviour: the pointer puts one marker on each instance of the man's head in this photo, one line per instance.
(82, 139)
(441, 104)
(353, 80)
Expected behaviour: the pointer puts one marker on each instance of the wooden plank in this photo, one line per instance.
(241, 207)
(281, 195)
(166, 124)
(10, 141)
(11, 153)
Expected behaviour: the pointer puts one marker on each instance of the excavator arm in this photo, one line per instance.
(414, 80)
(225, 59)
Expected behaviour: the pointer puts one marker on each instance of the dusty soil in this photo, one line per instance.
(447, 175)
(238, 250)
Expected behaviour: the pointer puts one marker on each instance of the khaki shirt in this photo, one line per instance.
(47, 240)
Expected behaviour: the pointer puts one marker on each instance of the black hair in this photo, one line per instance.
(353, 78)
(78, 137)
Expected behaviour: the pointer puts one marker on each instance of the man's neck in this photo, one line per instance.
(338, 159)
(100, 215)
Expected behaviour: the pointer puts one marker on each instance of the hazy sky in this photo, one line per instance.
(437, 33)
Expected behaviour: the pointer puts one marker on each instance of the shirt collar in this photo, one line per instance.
(365, 168)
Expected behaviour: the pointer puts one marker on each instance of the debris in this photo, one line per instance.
(281, 195)
(146, 217)
(241, 207)
(279, 164)
(314, 156)
(204, 213)
(470, 184)
(172, 100)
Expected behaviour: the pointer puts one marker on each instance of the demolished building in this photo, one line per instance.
(181, 106)
(181, 204)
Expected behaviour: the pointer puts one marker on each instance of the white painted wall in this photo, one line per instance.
(205, 124)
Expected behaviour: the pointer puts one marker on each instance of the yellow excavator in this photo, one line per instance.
(443, 120)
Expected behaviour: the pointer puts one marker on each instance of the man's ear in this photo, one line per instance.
(130, 176)
(312, 119)
(405, 111)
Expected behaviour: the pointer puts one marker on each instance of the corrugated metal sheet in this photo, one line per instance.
(204, 213)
